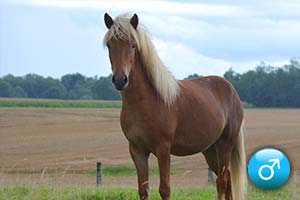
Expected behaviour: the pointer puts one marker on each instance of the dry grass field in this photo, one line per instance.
(56, 146)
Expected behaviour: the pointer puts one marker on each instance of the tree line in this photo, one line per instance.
(70, 86)
(265, 86)
(268, 86)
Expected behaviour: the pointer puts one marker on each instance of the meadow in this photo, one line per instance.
(46, 103)
(55, 103)
(84, 193)
(50, 152)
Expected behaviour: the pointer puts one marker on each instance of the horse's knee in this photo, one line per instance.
(165, 191)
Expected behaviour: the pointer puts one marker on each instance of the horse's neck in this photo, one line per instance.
(139, 87)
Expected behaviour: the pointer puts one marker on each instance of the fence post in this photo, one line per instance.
(210, 175)
(99, 174)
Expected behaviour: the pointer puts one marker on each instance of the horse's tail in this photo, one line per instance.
(238, 167)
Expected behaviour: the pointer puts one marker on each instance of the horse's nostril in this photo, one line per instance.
(125, 79)
(120, 82)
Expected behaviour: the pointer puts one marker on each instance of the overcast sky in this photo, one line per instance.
(56, 37)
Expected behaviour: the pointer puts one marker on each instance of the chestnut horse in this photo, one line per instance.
(164, 116)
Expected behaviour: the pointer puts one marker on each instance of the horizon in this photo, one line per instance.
(261, 64)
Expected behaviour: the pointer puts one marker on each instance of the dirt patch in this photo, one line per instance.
(65, 142)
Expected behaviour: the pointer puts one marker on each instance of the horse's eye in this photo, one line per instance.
(133, 46)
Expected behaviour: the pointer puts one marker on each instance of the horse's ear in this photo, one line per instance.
(108, 20)
(134, 21)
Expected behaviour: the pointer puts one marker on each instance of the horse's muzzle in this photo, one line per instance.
(120, 83)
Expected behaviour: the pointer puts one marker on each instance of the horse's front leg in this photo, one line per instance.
(140, 159)
(163, 156)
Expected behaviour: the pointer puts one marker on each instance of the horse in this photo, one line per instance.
(163, 116)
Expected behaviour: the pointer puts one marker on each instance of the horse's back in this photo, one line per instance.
(225, 96)
(214, 88)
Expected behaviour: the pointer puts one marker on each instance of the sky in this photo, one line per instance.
(58, 37)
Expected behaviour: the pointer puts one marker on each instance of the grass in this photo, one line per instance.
(45, 193)
(46, 103)
(123, 171)
(248, 105)
(91, 193)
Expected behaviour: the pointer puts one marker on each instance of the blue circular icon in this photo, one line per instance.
(269, 169)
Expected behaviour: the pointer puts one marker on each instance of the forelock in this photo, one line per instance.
(122, 30)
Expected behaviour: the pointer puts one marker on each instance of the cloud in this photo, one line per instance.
(162, 7)
(202, 8)
(49, 42)
(182, 60)
(235, 39)
(205, 37)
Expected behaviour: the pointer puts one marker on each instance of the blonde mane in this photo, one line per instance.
(164, 82)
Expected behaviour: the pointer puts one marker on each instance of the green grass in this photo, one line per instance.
(48, 103)
(248, 105)
(44, 103)
(123, 171)
(45, 193)
(91, 193)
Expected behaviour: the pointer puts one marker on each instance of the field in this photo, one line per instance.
(46, 103)
(52, 151)
(84, 193)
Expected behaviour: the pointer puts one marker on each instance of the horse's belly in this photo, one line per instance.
(187, 144)
(191, 141)
(185, 150)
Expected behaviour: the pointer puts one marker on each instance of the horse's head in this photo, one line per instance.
(121, 41)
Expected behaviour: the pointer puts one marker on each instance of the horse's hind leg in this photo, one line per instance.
(223, 179)
(228, 192)
(210, 155)
(224, 149)
(218, 157)
(213, 163)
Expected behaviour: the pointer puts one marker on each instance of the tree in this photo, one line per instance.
(269, 86)
(104, 89)
(19, 92)
(265, 86)
(6, 90)
(192, 76)
(71, 80)
(55, 92)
